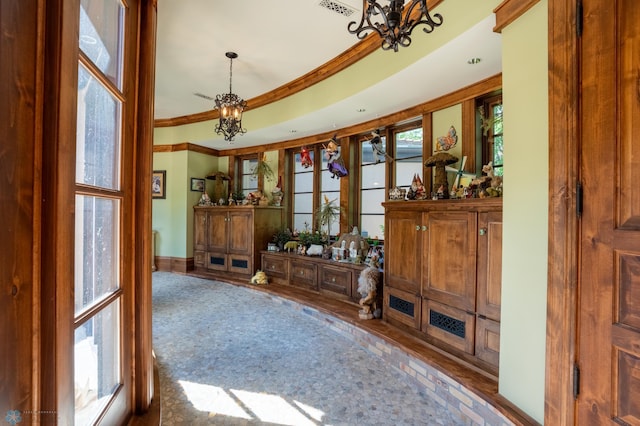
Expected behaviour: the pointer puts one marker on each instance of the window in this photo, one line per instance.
(248, 181)
(373, 171)
(99, 198)
(490, 116)
(407, 154)
(303, 188)
(329, 191)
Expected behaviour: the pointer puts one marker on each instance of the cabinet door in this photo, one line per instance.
(337, 281)
(240, 232)
(403, 241)
(450, 259)
(200, 230)
(217, 230)
(489, 264)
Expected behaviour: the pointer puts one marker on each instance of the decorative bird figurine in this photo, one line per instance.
(305, 158)
(447, 142)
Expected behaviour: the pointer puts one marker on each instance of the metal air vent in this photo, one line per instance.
(337, 7)
(447, 323)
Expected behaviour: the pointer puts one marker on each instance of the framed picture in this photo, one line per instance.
(197, 184)
(158, 184)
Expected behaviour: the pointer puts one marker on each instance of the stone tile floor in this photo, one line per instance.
(228, 355)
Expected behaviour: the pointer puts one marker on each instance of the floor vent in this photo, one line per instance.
(401, 305)
(337, 7)
(447, 323)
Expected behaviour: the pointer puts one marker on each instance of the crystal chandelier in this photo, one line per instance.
(230, 107)
(393, 22)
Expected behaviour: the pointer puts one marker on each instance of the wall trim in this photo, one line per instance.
(186, 146)
(510, 10)
(352, 55)
(178, 265)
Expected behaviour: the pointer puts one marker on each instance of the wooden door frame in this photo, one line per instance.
(564, 150)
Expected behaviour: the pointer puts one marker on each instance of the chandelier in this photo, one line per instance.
(230, 107)
(394, 22)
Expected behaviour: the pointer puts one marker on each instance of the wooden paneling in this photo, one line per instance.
(20, 207)
(488, 340)
(563, 174)
(450, 258)
(489, 273)
(403, 241)
(452, 326)
(510, 10)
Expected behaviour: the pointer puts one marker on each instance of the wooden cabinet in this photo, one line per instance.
(329, 278)
(443, 274)
(228, 240)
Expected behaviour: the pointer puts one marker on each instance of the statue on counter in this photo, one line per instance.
(368, 284)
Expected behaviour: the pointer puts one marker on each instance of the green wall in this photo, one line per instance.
(173, 217)
(525, 229)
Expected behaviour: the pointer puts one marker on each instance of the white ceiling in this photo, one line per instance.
(281, 40)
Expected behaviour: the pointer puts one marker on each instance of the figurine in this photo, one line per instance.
(368, 288)
(260, 278)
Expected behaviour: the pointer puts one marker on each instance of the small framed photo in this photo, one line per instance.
(197, 184)
(158, 184)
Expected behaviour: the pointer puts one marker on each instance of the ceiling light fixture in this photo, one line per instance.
(230, 107)
(394, 23)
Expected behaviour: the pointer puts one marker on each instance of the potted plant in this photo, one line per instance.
(327, 213)
(282, 237)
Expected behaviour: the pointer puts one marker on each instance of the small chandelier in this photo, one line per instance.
(394, 23)
(230, 107)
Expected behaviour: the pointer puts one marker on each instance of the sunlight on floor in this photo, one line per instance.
(267, 408)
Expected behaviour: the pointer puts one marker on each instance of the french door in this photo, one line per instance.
(608, 350)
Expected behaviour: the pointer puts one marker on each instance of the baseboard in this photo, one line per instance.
(179, 265)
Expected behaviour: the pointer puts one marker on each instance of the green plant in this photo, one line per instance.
(263, 168)
(282, 236)
(312, 237)
(327, 213)
(237, 195)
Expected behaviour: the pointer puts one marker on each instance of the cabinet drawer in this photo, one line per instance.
(304, 274)
(449, 325)
(199, 258)
(276, 268)
(401, 306)
(488, 340)
(336, 280)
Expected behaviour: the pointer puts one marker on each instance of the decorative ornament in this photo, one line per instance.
(335, 164)
(379, 152)
(445, 143)
(305, 158)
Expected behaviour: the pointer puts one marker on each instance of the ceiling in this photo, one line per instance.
(284, 41)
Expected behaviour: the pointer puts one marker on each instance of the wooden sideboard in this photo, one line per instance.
(228, 239)
(338, 280)
(443, 274)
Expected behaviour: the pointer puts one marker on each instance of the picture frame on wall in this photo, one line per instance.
(197, 184)
(158, 184)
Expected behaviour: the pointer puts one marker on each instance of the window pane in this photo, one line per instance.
(249, 165)
(371, 201)
(303, 182)
(329, 183)
(372, 226)
(249, 183)
(298, 167)
(335, 224)
(101, 34)
(303, 203)
(302, 222)
(406, 169)
(96, 249)
(373, 176)
(96, 362)
(408, 144)
(366, 152)
(98, 134)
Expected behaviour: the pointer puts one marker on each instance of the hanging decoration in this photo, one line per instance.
(305, 158)
(445, 143)
(335, 162)
(379, 153)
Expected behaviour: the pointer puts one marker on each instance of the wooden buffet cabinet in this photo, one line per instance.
(443, 274)
(337, 280)
(228, 239)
